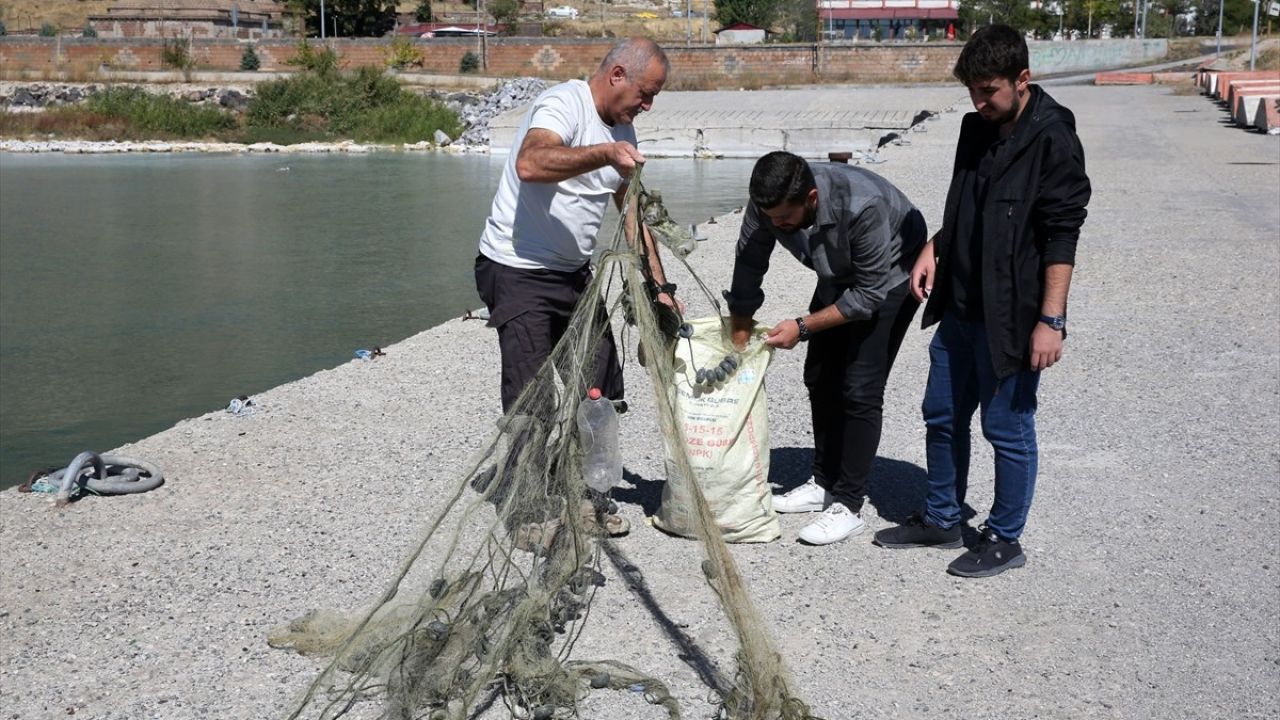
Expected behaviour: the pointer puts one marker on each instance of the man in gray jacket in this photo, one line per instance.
(860, 234)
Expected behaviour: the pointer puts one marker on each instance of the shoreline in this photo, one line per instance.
(113, 147)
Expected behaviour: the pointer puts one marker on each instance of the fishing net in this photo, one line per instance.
(508, 568)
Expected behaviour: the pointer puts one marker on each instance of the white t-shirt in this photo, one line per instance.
(554, 225)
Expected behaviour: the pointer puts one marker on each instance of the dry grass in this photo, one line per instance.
(69, 15)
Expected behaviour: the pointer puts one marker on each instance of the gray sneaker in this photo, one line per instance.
(918, 532)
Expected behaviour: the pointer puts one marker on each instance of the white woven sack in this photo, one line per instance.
(726, 429)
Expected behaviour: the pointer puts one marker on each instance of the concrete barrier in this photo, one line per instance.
(1123, 78)
(1173, 78)
(1219, 82)
(1267, 117)
(1246, 107)
(1237, 87)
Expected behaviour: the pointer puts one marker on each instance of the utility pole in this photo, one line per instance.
(321, 19)
(1253, 45)
(688, 22)
(484, 37)
(1219, 50)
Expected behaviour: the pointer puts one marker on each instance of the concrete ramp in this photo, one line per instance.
(810, 122)
(743, 133)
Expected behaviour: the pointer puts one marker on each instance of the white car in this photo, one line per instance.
(563, 12)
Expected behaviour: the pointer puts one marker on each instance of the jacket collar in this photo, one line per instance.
(826, 215)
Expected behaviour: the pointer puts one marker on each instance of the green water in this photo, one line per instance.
(136, 291)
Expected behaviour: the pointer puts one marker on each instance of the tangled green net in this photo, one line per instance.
(511, 563)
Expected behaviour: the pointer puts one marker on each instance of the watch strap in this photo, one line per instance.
(804, 329)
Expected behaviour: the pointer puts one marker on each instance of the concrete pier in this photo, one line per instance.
(1153, 564)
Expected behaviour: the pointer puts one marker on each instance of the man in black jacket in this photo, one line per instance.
(996, 278)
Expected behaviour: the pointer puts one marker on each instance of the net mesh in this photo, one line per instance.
(511, 562)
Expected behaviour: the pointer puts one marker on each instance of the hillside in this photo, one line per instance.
(19, 15)
(620, 19)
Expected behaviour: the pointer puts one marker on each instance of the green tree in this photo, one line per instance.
(760, 13)
(1088, 16)
(48, 30)
(1237, 17)
(89, 31)
(504, 12)
(422, 13)
(798, 20)
(1017, 14)
(3, 30)
(352, 18)
(249, 61)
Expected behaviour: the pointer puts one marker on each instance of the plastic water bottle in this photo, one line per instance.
(598, 429)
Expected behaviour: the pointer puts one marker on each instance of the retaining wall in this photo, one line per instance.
(560, 58)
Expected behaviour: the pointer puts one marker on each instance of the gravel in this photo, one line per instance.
(1151, 587)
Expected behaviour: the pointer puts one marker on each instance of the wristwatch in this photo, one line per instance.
(804, 329)
(1057, 322)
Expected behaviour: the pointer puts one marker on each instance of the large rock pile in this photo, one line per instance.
(37, 96)
(513, 93)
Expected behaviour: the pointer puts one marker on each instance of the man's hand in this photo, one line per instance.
(1046, 346)
(922, 273)
(624, 157)
(742, 327)
(670, 301)
(785, 335)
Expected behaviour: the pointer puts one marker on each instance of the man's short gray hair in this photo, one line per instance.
(634, 55)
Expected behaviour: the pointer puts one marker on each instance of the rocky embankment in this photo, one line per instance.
(474, 110)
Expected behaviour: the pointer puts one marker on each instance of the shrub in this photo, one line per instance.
(3, 30)
(322, 62)
(89, 31)
(422, 13)
(470, 62)
(177, 54)
(249, 61)
(366, 105)
(48, 30)
(403, 53)
(159, 114)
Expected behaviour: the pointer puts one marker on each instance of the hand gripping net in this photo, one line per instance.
(510, 563)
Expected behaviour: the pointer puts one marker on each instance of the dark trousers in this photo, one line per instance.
(846, 371)
(531, 311)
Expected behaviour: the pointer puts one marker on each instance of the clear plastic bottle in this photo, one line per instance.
(598, 431)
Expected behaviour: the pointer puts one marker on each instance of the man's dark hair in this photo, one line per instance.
(780, 177)
(994, 51)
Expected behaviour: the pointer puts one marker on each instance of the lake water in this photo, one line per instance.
(139, 290)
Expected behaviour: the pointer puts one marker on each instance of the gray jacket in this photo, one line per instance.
(862, 243)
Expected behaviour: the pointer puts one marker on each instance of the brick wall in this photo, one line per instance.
(551, 58)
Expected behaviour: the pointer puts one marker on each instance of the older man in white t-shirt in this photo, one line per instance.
(576, 149)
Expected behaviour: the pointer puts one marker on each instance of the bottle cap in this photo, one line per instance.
(594, 394)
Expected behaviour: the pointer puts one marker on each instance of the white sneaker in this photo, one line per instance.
(809, 497)
(834, 524)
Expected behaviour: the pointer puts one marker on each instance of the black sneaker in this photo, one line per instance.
(991, 556)
(918, 532)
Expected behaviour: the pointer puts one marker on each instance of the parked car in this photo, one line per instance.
(563, 12)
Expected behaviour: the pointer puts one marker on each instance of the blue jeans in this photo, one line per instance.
(962, 379)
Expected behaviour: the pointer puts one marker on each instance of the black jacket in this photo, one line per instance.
(1031, 217)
